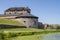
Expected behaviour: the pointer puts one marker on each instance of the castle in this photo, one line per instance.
(21, 14)
(24, 16)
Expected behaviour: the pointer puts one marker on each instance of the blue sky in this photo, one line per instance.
(48, 11)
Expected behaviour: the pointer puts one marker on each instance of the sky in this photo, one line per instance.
(48, 11)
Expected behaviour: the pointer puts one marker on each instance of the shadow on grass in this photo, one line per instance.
(3, 26)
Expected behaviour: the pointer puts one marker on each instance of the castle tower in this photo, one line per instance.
(17, 11)
(23, 15)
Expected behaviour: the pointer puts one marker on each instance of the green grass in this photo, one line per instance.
(21, 30)
(26, 33)
(10, 22)
(17, 30)
(32, 37)
(29, 30)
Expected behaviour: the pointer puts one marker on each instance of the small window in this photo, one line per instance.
(21, 13)
(24, 21)
(29, 26)
(9, 13)
(14, 13)
(34, 22)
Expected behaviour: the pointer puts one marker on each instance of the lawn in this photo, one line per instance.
(25, 33)
(10, 22)
(22, 29)
(31, 37)
(21, 33)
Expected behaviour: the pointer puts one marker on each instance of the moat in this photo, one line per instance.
(52, 36)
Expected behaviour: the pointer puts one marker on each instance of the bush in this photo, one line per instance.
(14, 34)
(3, 36)
(25, 33)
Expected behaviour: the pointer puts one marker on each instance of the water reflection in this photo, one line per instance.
(53, 36)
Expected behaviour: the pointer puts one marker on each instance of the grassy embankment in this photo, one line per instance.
(24, 33)
(21, 33)
(10, 22)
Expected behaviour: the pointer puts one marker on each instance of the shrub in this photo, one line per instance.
(25, 33)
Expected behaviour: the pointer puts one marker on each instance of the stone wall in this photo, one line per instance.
(15, 12)
(28, 22)
(7, 17)
(40, 25)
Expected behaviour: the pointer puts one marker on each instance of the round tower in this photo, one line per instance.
(23, 15)
(29, 20)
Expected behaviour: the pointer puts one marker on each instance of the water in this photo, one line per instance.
(52, 36)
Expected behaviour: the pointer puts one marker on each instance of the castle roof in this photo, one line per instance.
(26, 16)
(21, 16)
(17, 8)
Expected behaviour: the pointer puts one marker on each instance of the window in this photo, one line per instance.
(9, 13)
(24, 21)
(14, 12)
(21, 13)
(34, 22)
(29, 26)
